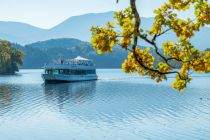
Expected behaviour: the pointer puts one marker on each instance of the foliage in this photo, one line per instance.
(51, 50)
(10, 58)
(166, 19)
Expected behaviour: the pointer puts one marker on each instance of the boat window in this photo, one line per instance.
(71, 72)
(48, 72)
(66, 71)
(83, 72)
(55, 72)
(61, 72)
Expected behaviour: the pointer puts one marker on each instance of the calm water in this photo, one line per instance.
(118, 107)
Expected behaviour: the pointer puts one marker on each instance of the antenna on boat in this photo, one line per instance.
(61, 60)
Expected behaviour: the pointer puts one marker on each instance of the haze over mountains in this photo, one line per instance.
(71, 38)
(75, 27)
(78, 27)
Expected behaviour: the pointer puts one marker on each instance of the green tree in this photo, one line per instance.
(166, 19)
(10, 58)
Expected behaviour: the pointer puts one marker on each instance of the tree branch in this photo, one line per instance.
(157, 35)
(135, 41)
(156, 48)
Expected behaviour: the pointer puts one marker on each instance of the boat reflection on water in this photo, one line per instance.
(9, 96)
(71, 93)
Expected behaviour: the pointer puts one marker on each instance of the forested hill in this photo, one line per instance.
(38, 53)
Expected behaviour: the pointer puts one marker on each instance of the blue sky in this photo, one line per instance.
(48, 13)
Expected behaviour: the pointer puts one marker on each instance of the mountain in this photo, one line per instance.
(74, 27)
(20, 32)
(79, 27)
(39, 53)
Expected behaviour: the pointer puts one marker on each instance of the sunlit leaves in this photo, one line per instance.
(172, 50)
(144, 56)
(132, 63)
(201, 64)
(183, 28)
(124, 16)
(129, 65)
(182, 78)
(125, 21)
(10, 58)
(166, 19)
(206, 59)
(126, 41)
(4, 52)
(202, 12)
(181, 82)
(142, 62)
(163, 67)
(180, 4)
(104, 38)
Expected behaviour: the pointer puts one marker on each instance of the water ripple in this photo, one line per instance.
(117, 106)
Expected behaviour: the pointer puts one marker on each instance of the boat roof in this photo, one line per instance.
(76, 63)
(80, 58)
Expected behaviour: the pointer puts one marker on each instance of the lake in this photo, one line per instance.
(118, 106)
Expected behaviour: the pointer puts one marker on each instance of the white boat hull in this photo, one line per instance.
(68, 78)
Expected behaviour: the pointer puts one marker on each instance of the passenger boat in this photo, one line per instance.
(73, 70)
